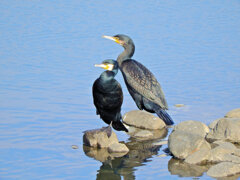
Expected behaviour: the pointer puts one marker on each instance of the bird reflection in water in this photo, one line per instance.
(117, 165)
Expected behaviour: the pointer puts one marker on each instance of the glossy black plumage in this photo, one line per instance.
(141, 83)
(108, 97)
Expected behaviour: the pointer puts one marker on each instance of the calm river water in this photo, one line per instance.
(47, 57)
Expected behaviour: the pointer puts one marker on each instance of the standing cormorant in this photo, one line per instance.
(108, 95)
(141, 83)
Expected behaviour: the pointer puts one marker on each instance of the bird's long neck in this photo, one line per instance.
(126, 54)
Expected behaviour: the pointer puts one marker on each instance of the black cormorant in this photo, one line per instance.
(108, 96)
(141, 83)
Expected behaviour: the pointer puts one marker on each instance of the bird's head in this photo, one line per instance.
(108, 64)
(121, 39)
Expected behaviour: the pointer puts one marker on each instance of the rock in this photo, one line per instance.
(226, 129)
(199, 157)
(231, 158)
(237, 152)
(143, 134)
(118, 148)
(224, 169)
(99, 138)
(162, 142)
(143, 120)
(193, 127)
(235, 113)
(182, 144)
(224, 144)
(74, 147)
(179, 105)
(223, 152)
(213, 124)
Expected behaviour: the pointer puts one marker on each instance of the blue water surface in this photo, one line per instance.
(47, 54)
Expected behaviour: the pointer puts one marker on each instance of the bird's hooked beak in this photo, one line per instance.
(108, 67)
(115, 39)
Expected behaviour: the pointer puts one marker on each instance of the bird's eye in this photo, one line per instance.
(117, 38)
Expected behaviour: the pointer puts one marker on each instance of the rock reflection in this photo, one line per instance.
(178, 167)
(114, 166)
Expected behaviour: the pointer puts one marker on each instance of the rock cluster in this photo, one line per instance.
(215, 146)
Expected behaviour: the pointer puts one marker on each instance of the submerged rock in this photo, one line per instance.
(179, 105)
(224, 169)
(226, 129)
(143, 120)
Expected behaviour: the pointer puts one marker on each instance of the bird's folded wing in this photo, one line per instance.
(143, 82)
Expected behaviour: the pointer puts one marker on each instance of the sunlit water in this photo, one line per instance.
(48, 49)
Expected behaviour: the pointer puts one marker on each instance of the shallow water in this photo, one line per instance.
(48, 49)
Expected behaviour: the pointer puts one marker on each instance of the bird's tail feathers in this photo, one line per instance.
(164, 116)
(118, 125)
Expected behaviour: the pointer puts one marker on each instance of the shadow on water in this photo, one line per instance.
(117, 165)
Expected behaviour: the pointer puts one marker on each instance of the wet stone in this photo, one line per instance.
(143, 134)
(224, 169)
(226, 129)
(193, 127)
(99, 138)
(74, 147)
(199, 157)
(182, 144)
(143, 120)
(117, 148)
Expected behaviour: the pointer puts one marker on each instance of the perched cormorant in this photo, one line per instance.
(141, 83)
(108, 96)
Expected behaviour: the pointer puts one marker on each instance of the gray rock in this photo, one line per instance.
(226, 129)
(235, 113)
(213, 124)
(143, 119)
(237, 152)
(224, 144)
(199, 157)
(182, 144)
(99, 138)
(193, 127)
(118, 148)
(224, 169)
(143, 134)
(223, 152)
